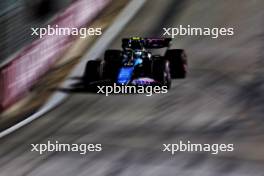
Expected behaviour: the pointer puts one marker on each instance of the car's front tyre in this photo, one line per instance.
(92, 71)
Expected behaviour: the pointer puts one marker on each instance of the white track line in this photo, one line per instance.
(108, 36)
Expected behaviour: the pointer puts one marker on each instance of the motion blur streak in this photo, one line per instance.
(94, 52)
(221, 101)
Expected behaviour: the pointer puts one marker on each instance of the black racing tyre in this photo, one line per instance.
(110, 70)
(161, 71)
(113, 56)
(92, 71)
(112, 64)
(178, 62)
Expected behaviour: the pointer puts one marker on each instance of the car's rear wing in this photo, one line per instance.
(152, 43)
(148, 43)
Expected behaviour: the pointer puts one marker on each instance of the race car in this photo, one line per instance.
(136, 64)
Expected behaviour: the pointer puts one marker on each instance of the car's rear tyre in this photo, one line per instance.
(161, 71)
(178, 62)
(92, 71)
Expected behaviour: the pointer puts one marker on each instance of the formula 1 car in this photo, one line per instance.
(136, 65)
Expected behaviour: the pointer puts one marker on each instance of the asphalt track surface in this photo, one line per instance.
(221, 101)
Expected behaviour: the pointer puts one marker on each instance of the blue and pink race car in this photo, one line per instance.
(136, 64)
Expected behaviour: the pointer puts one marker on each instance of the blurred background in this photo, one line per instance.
(18, 16)
(220, 101)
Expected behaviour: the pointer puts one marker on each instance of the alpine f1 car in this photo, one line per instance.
(136, 64)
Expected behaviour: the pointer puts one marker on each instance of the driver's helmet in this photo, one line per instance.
(136, 43)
